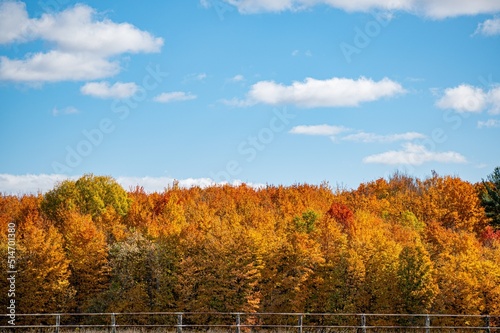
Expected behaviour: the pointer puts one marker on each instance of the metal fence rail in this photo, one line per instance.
(239, 321)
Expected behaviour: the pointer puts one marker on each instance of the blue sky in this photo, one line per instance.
(262, 92)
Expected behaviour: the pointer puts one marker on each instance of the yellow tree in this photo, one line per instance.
(453, 203)
(468, 278)
(373, 243)
(43, 271)
(87, 251)
(327, 284)
(140, 213)
(220, 271)
(288, 270)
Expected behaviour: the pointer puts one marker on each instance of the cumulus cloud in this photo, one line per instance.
(104, 90)
(82, 44)
(311, 93)
(372, 137)
(14, 22)
(57, 66)
(22, 184)
(158, 184)
(325, 130)
(76, 30)
(175, 96)
(414, 154)
(490, 123)
(360, 136)
(25, 184)
(489, 27)
(464, 98)
(433, 9)
(467, 98)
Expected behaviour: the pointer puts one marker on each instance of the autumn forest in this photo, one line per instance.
(395, 245)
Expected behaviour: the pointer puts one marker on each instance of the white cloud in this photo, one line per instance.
(82, 44)
(13, 21)
(57, 66)
(66, 110)
(256, 6)
(14, 184)
(413, 154)
(238, 78)
(490, 123)
(489, 27)
(205, 3)
(467, 98)
(451, 8)
(363, 137)
(428, 8)
(105, 90)
(325, 130)
(464, 98)
(175, 96)
(158, 184)
(334, 92)
(24, 184)
(76, 30)
(372, 137)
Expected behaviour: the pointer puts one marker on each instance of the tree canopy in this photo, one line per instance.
(397, 245)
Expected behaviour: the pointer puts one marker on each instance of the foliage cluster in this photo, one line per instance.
(397, 245)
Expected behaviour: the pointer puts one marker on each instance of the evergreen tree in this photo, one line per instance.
(490, 197)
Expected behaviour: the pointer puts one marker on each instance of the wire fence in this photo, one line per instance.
(238, 322)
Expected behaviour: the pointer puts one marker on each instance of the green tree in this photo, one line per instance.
(134, 269)
(306, 223)
(490, 197)
(89, 195)
(415, 280)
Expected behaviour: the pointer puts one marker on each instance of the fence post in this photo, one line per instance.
(363, 323)
(58, 322)
(179, 323)
(113, 323)
(427, 324)
(301, 319)
(488, 324)
(238, 323)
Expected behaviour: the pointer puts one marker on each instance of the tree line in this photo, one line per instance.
(396, 245)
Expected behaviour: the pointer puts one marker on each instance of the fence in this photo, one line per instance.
(180, 322)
